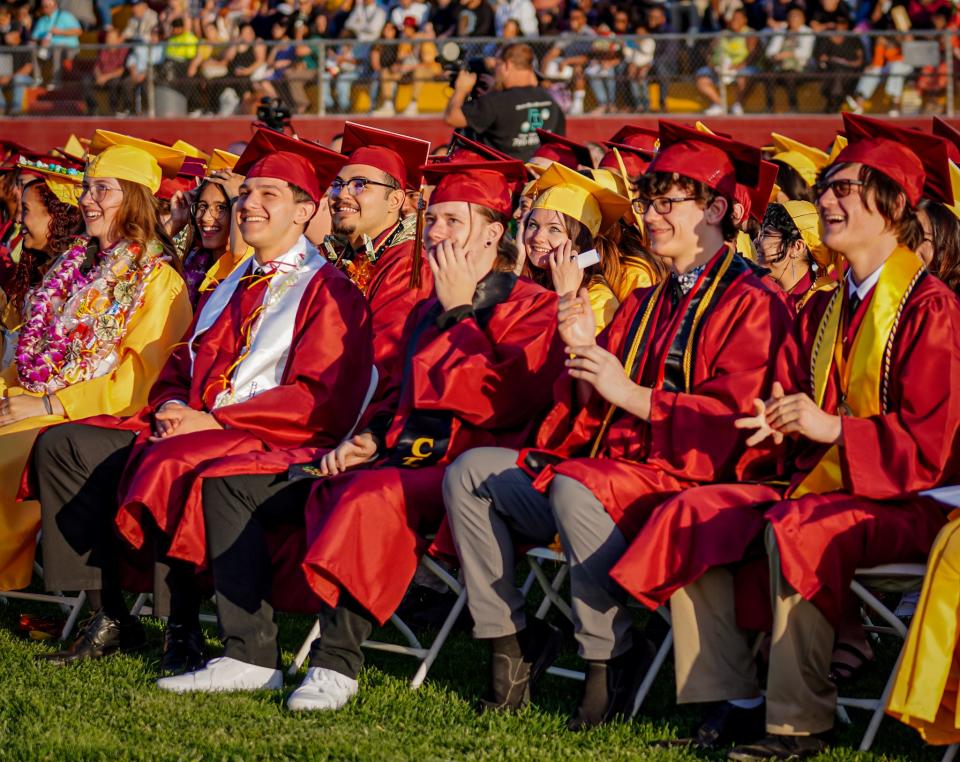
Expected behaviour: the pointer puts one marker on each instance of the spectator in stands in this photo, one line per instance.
(53, 31)
(827, 14)
(343, 69)
(732, 58)
(295, 67)
(105, 11)
(520, 11)
(106, 79)
(181, 49)
(789, 52)
(390, 63)
(606, 62)
(366, 20)
(25, 19)
(887, 64)
(82, 11)
(475, 18)
(19, 75)
(569, 56)
(207, 67)
(639, 57)
(664, 68)
(141, 58)
(932, 81)
(142, 20)
(839, 59)
(756, 11)
(244, 58)
(404, 9)
(175, 9)
(210, 14)
(442, 20)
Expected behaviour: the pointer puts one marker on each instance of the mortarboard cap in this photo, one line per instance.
(916, 161)
(308, 165)
(635, 160)
(717, 161)
(400, 156)
(807, 160)
(62, 176)
(221, 159)
(561, 149)
(462, 148)
(759, 195)
(645, 138)
(191, 151)
(128, 158)
(490, 183)
(565, 190)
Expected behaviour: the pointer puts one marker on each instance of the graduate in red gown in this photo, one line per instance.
(628, 428)
(477, 357)
(870, 433)
(279, 355)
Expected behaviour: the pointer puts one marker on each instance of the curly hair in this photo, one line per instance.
(64, 227)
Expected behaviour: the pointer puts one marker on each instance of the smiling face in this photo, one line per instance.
(852, 221)
(99, 204)
(543, 233)
(211, 212)
(677, 233)
(372, 210)
(269, 214)
(34, 217)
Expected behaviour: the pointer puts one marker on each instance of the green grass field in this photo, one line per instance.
(111, 710)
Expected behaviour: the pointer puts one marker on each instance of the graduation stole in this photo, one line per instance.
(864, 375)
(360, 266)
(676, 368)
(425, 437)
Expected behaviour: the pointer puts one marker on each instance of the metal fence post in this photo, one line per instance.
(151, 89)
(948, 54)
(321, 78)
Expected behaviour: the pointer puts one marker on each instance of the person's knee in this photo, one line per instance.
(471, 470)
(220, 497)
(569, 499)
(53, 446)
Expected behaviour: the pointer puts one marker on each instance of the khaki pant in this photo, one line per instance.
(714, 661)
(493, 508)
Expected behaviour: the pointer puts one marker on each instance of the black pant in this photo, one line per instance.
(238, 512)
(76, 469)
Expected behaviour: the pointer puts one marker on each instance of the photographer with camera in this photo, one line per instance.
(507, 117)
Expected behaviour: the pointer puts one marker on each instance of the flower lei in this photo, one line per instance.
(76, 320)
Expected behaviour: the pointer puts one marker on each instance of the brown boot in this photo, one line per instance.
(517, 664)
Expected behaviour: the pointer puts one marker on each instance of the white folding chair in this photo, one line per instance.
(951, 753)
(892, 578)
(552, 597)
(426, 654)
(71, 605)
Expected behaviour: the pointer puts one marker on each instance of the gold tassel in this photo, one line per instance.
(416, 281)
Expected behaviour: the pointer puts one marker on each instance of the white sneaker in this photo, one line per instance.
(412, 109)
(322, 690)
(737, 109)
(715, 110)
(386, 109)
(224, 674)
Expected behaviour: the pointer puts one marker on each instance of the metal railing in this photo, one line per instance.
(766, 72)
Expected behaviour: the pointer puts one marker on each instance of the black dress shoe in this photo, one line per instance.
(513, 677)
(723, 725)
(781, 747)
(100, 636)
(611, 686)
(182, 649)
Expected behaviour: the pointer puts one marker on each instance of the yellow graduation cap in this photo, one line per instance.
(807, 160)
(701, 127)
(127, 158)
(807, 219)
(74, 148)
(561, 189)
(839, 143)
(64, 182)
(955, 182)
(189, 150)
(221, 159)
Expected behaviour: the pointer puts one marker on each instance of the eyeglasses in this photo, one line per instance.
(98, 191)
(356, 185)
(661, 204)
(841, 188)
(200, 209)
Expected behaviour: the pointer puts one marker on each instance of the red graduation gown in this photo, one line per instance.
(316, 403)
(365, 528)
(824, 538)
(690, 437)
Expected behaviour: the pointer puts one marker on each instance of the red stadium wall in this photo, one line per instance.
(43, 133)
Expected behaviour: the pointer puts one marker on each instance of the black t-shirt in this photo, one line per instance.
(508, 119)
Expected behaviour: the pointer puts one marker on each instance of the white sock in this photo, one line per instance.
(746, 703)
(579, 96)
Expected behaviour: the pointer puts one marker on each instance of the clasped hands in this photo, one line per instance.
(175, 419)
(794, 414)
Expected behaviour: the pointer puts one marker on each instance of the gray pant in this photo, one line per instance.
(493, 507)
(713, 657)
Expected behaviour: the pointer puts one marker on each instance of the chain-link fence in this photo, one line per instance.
(759, 73)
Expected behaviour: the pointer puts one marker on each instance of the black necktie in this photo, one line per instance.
(854, 303)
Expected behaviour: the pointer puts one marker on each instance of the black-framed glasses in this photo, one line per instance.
(356, 185)
(660, 204)
(218, 210)
(841, 187)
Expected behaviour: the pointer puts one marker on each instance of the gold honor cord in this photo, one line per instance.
(628, 364)
(863, 381)
(705, 304)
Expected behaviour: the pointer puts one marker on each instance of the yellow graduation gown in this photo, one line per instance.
(153, 331)
(928, 679)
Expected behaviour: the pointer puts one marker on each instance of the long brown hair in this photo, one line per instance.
(946, 243)
(506, 249)
(138, 221)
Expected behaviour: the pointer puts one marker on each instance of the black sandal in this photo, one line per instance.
(842, 673)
